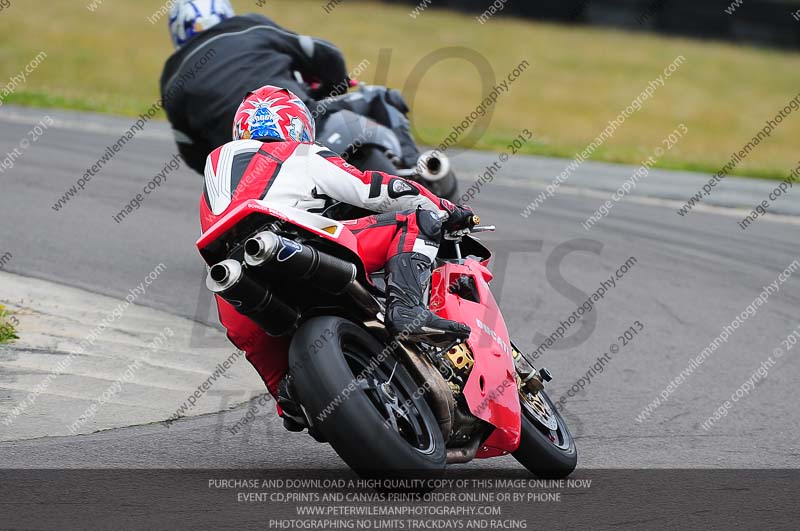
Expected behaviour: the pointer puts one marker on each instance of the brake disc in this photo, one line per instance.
(540, 410)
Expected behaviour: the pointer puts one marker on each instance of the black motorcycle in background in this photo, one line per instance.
(367, 127)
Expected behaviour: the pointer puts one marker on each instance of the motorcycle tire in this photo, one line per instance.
(370, 158)
(545, 457)
(446, 187)
(347, 381)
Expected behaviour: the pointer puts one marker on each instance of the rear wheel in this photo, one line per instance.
(373, 159)
(363, 401)
(369, 158)
(546, 446)
(446, 187)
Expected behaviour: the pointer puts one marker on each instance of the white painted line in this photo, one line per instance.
(155, 129)
(732, 212)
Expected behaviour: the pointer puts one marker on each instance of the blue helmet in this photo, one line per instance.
(187, 18)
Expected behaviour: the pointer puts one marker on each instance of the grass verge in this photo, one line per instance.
(8, 325)
(580, 78)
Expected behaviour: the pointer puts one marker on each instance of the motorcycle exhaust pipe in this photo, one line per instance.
(433, 165)
(287, 257)
(229, 280)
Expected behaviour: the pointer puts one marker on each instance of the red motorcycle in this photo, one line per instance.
(387, 405)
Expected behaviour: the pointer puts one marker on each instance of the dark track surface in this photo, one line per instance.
(693, 275)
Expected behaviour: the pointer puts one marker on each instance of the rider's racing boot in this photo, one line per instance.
(407, 277)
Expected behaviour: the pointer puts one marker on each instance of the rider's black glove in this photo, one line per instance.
(459, 217)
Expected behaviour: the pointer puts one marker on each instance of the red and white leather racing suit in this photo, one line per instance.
(306, 176)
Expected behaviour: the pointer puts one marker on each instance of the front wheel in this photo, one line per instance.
(546, 447)
(363, 401)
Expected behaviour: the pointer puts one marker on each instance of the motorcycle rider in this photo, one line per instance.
(219, 57)
(242, 52)
(273, 157)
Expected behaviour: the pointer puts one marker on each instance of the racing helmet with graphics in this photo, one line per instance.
(187, 18)
(273, 114)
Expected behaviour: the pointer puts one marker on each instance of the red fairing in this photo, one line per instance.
(491, 389)
(227, 221)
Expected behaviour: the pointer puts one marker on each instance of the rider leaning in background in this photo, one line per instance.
(274, 157)
(242, 53)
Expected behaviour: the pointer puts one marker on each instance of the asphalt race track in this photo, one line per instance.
(691, 276)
